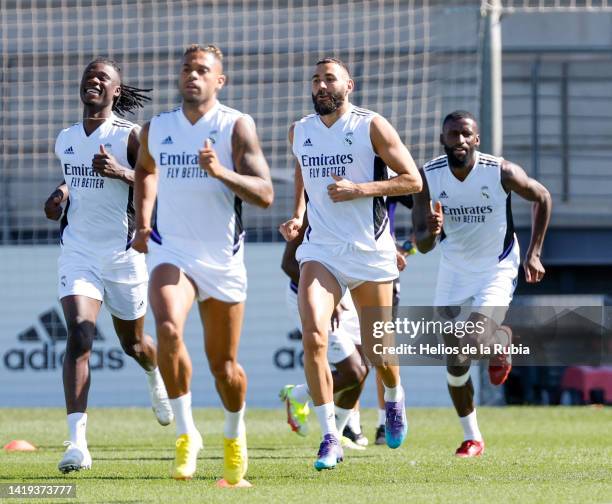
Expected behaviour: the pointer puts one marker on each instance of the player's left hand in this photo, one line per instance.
(534, 271)
(209, 162)
(343, 190)
(106, 164)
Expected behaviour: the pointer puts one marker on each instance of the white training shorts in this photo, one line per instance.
(222, 282)
(341, 340)
(487, 293)
(351, 266)
(120, 284)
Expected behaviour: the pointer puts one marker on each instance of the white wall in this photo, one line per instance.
(29, 289)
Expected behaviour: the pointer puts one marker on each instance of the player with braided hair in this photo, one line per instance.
(97, 264)
(130, 98)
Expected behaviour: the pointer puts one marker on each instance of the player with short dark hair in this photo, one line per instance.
(342, 155)
(200, 161)
(465, 206)
(96, 264)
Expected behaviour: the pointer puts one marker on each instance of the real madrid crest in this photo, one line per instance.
(348, 139)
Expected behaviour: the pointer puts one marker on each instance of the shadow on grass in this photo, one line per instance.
(107, 448)
(201, 458)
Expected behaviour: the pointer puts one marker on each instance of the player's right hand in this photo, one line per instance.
(291, 228)
(337, 313)
(400, 259)
(53, 205)
(435, 219)
(139, 243)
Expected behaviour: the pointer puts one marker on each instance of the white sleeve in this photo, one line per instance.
(58, 143)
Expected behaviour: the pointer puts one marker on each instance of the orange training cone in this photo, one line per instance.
(241, 484)
(19, 445)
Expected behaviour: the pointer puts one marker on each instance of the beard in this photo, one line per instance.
(461, 162)
(335, 102)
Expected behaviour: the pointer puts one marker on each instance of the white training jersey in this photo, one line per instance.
(478, 233)
(344, 149)
(196, 214)
(99, 215)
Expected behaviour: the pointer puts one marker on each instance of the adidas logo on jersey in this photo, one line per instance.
(308, 143)
(69, 150)
(167, 141)
(443, 195)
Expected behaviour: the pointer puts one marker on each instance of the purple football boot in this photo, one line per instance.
(330, 453)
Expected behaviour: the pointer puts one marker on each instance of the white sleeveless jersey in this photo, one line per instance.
(478, 233)
(196, 214)
(99, 215)
(345, 150)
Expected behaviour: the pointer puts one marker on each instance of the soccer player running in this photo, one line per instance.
(96, 264)
(201, 161)
(465, 206)
(402, 252)
(342, 156)
(344, 353)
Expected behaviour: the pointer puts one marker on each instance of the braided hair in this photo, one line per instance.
(131, 98)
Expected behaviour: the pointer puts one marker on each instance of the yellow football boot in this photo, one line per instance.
(187, 448)
(235, 459)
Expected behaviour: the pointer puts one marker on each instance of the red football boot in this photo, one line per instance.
(500, 365)
(470, 448)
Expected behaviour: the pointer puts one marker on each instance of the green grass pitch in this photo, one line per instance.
(533, 455)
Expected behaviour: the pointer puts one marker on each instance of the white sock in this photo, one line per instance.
(327, 419)
(234, 423)
(354, 422)
(470, 427)
(182, 414)
(154, 378)
(342, 418)
(77, 425)
(300, 393)
(394, 394)
(382, 417)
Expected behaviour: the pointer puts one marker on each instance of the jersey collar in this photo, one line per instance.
(100, 129)
(476, 162)
(342, 119)
(206, 117)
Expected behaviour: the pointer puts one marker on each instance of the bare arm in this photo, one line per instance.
(107, 165)
(516, 180)
(427, 222)
(290, 229)
(389, 147)
(251, 181)
(145, 191)
(289, 264)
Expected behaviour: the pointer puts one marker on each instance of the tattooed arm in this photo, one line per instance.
(251, 181)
